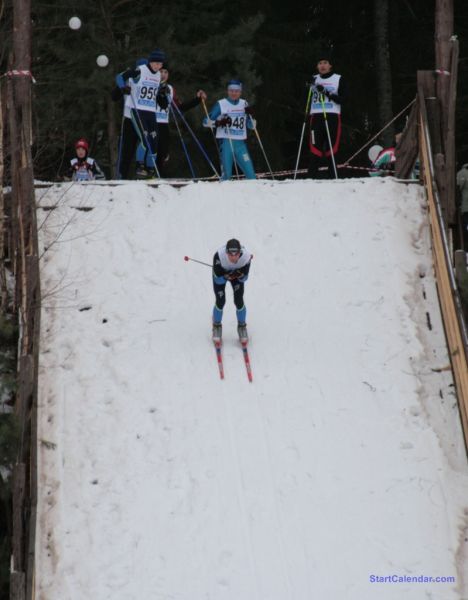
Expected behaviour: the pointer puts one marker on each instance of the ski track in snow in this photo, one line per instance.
(344, 457)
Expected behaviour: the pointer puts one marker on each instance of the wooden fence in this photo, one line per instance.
(451, 308)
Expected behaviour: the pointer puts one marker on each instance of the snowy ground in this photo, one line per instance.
(342, 460)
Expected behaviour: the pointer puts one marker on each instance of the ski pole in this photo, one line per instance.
(182, 141)
(200, 262)
(261, 145)
(196, 140)
(378, 133)
(309, 95)
(234, 157)
(328, 134)
(144, 136)
(212, 132)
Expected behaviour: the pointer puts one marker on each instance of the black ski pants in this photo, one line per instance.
(321, 163)
(140, 129)
(163, 148)
(220, 294)
(128, 145)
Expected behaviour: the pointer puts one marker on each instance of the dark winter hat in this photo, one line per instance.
(233, 246)
(234, 84)
(165, 66)
(157, 56)
(82, 143)
(325, 55)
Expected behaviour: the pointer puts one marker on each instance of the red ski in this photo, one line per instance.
(245, 353)
(219, 357)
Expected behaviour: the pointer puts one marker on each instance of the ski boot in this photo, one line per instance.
(242, 332)
(142, 172)
(217, 332)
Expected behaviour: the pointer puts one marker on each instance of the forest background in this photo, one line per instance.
(376, 45)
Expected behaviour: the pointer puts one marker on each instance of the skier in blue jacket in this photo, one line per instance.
(232, 116)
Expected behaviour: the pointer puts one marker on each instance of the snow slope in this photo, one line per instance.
(342, 460)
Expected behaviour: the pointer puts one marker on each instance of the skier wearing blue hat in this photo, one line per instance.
(231, 117)
(143, 86)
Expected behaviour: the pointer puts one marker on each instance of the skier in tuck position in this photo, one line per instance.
(232, 116)
(230, 263)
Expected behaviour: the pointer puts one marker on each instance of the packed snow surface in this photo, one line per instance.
(343, 461)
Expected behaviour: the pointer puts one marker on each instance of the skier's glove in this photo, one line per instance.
(127, 89)
(234, 275)
(224, 121)
(248, 110)
(162, 100)
(320, 88)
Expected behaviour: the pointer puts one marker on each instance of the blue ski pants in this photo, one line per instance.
(241, 155)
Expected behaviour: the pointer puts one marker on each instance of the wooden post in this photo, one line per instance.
(443, 33)
(450, 158)
(19, 483)
(446, 56)
(3, 282)
(407, 149)
(427, 95)
(27, 302)
(17, 586)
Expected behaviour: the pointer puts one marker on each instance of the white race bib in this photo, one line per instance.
(238, 116)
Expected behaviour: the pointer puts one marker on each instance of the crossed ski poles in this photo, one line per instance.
(174, 105)
(322, 102)
(144, 135)
(187, 156)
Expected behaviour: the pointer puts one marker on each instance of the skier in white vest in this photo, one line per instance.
(142, 85)
(163, 117)
(230, 263)
(232, 116)
(328, 92)
(83, 167)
